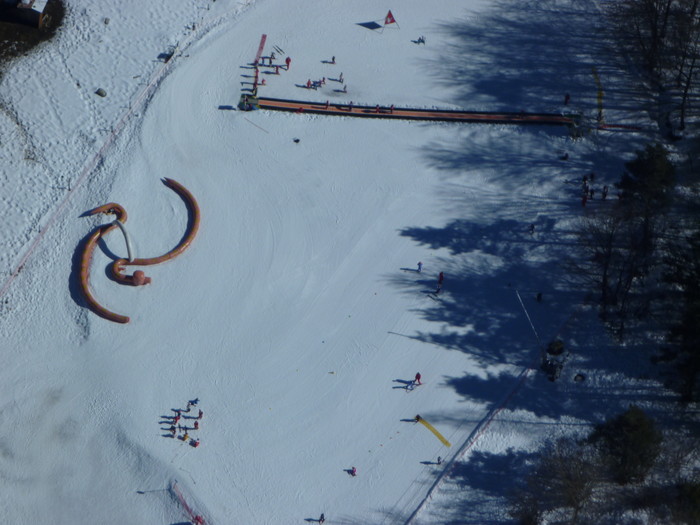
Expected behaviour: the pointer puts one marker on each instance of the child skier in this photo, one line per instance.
(441, 277)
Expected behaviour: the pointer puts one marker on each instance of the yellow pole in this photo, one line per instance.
(434, 431)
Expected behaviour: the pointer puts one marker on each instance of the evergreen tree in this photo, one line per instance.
(629, 444)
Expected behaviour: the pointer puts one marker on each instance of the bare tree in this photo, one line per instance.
(612, 260)
(662, 37)
(685, 50)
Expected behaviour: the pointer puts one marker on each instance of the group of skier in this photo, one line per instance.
(176, 427)
(316, 84)
(260, 63)
(587, 192)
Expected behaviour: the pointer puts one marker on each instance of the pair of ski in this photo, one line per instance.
(278, 49)
(433, 295)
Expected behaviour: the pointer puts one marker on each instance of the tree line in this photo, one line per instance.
(641, 259)
(662, 39)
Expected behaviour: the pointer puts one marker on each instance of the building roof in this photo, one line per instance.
(34, 5)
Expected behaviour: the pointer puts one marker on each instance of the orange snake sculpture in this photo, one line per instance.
(119, 266)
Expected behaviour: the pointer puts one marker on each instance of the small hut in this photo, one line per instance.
(27, 12)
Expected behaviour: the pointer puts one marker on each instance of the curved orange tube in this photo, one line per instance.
(119, 265)
(114, 209)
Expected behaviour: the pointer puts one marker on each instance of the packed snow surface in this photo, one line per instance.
(297, 316)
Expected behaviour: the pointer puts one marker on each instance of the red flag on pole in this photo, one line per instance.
(389, 19)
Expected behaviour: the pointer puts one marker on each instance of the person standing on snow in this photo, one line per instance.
(420, 266)
(200, 415)
(353, 472)
(417, 379)
(322, 518)
(441, 277)
(287, 61)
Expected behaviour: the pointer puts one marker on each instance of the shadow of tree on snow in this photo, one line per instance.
(522, 55)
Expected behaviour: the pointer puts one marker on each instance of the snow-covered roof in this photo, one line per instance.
(34, 5)
(39, 5)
